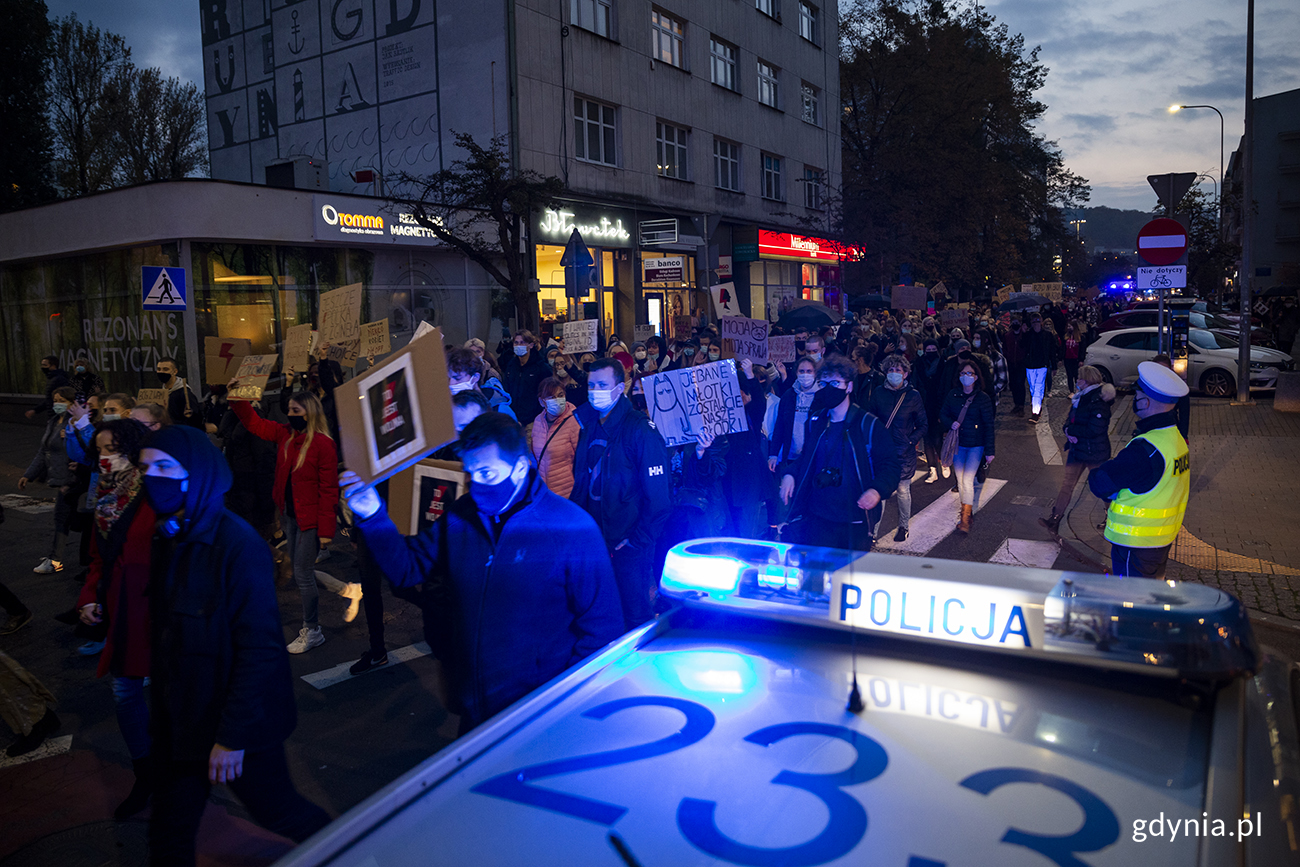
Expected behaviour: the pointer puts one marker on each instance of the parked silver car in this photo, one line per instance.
(1212, 360)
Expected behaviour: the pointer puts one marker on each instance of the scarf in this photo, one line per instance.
(116, 491)
(1074, 401)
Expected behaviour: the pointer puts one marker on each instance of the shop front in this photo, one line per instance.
(256, 261)
(792, 268)
(607, 291)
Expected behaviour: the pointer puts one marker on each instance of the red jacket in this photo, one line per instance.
(315, 483)
(123, 594)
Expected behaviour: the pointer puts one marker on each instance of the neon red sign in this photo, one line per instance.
(804, 247)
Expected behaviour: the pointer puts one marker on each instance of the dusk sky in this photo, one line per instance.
(1116, 66)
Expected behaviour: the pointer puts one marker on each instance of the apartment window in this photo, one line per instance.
(772, 188)
(592, 15)
(808, 22)
(767, 83)
(593, 131)
(814, 193)
(726, 165)
(670, 151)
(666, 37)
(722, 56)
(810, 98)
(768, 7)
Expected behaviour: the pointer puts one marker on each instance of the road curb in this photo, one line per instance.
(1273, 620)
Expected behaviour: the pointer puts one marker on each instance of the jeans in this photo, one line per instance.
(132, 714)
(904, 498)
(265, 788)
(302, 547)
(1037, 383)
(966, 464)
(1068, 482)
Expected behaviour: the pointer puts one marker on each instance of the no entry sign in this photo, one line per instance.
(1162, 242)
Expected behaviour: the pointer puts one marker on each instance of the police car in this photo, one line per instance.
(807, 706)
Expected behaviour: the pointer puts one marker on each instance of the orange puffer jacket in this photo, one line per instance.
(555, 461)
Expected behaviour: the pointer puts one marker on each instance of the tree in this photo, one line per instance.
(479, 206)
(25, 175)
(84, 62)
(1209, 256)
(159, 126)
(942, 168)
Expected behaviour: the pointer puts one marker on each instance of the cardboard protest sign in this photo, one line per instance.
(374, 339)
(1004, 293)
(579, 336)
(908, 298)
(340, 323)
(682, 326)
(418, 496)
(744, 338)
(422, 329)
(152, 395)
(781, 349)
(550, 307)
(642, 333)
(725, 302)
(221, 357)
(685, 402)
(254, 371)
(396, 412)
(939, 290)
(1051, 291)
(954, 317)
(297, 347)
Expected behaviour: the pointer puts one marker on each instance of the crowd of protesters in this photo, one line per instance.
(185, 512)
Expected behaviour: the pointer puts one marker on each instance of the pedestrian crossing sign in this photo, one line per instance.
(164, 288)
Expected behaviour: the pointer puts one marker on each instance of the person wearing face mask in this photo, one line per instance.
(116, 591)
(786, 442)
(1014, 349)
(51, 465)
(117, 406)
(305, 491)
(524, 371)
(642, 362)
(555, 437)
(182, 405)
(620, 479)
(1148, 483)
(927, 378)
(969, 410)
(684, 353)
(465, 373)
(84, 378)
(221, 687)
(522, 572)
(902, 411)
(1087, 438)
(55, 378)
(1039, 348)
(848, 468)
(815, 349)
(982, 343)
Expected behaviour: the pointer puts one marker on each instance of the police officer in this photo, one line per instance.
(1147, 483)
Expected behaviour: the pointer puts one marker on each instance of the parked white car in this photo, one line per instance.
(1212, 360)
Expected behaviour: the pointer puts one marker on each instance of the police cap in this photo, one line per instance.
(1160, 383)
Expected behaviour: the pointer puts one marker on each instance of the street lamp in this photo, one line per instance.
(1173, 109)
(1078, 224)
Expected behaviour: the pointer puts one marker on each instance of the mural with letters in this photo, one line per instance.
(352, 82)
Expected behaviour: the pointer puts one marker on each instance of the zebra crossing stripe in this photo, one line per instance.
(934, 523)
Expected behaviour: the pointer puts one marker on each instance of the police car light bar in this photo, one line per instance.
(1158, 627)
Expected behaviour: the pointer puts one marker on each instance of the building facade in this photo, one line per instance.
(1276, 237)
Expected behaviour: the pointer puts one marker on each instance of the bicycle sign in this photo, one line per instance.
(1162, 277)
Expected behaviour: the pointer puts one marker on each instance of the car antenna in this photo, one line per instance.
(855, 705)
(624, 853)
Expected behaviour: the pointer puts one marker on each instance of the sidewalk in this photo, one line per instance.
(1240, 530)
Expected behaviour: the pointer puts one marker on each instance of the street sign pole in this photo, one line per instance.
(1247, 273)
(1162, 243)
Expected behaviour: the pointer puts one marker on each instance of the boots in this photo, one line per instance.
(141, 790)
(1052, 523)
(963, 526)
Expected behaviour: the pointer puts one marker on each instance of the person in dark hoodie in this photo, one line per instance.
(222, 691)
(901, 409)
(1087, 438)
(521, 573)
(55, 377)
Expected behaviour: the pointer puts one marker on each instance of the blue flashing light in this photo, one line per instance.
(718, 673)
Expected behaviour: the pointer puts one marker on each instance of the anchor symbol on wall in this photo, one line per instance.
(224, 83)
(296, 31)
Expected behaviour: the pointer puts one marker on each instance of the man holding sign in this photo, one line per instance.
(621, 479)
(848, 467)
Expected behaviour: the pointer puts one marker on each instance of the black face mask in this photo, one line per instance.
(828, 397)
(298, 422)
(167, 496)
(163, 377)
(48, 371)
(493, 499)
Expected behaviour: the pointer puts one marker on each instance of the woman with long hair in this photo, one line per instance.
(969, 410)
(306, 490)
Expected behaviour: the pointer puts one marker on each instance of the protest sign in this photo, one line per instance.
(250, 380)
(1004, 293)
(340, 323)
(725, 302)
(550, 307)
(580, 336)
(420, 495)
(939, 290)
(1050, 291)
(744, 338)
(685, 402)
(682, 326)
(781, 349)
(422, 329)
(954, 317)
(374, 339)
(221, 357)
(152, 395)
(642, 333)
(396, 412)
(297, 347)
(908, 298)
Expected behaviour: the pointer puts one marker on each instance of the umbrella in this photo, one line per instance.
(1022, 301)
(874, 301)
(807, 316)
(1278, 292)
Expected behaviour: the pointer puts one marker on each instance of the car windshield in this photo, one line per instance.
(1210, 340)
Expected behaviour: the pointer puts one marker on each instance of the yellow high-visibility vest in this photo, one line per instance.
(1152, 520)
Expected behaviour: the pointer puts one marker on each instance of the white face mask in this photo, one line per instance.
(554, 405)
(113, 463)
(640, 355)
(458, 387)
(111, 416)
(521, 351)
(815, 356)
(602, 399)
(806, 379)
